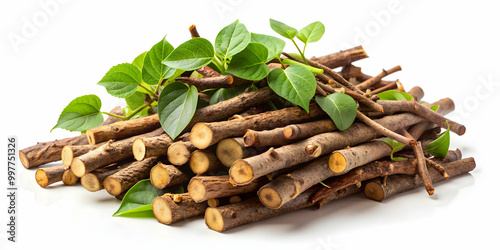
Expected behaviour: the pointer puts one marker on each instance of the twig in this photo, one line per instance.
(370, 82)
(193, 31)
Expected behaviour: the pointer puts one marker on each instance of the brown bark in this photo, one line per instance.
(372, 81)
(272, 137)
(305, 130)
(224, 81)
(179, 152)
(171, 208)
(110, 152)
(252, 210)
(123, 129)
(69, 152)
(49, 175)
(45, 152)
(208, 72)
(396, 184)
(193, 31)
(391, 107)
(245, 170)
(124, 179)
(164, 175)
(342, 58)
(231, 149)
(202, 188)
(203, 161)
(204, 135)
(69, 178)
(94, 181)
(145, 147)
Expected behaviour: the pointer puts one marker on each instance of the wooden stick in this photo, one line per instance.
(342, 58)
(164, 175)
(305, 130)
(391, 107)
(226, 217)
(231, 149)
(69, 178)
(225, 81)
(193, 31)
(272, 137)
(179, 152)
(123, 129)
(245, 170)
(203, 188)
(396, 184)
(171, 208)
(124, 179)
(370, 82)
(203, 161)
(47, 176)
(204, 135)
(206, 71)
(107, 154)
(46, 152)
(94, 181)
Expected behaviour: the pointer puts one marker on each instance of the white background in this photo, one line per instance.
(449, 48)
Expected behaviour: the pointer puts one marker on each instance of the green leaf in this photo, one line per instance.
(312, 32)
(274, 45)
(250, 63)
(192, 54)
(395, 95)
(82, 113)
(137, 201)
(231, 40)
(439, 147)
(283, 29)
(136, 100)
(396, 146)
(296, 84)
(176, 107)
(153, 70)
(139, 60)
(434, 107)
(223, 94)
(340, 107)
(122, 80)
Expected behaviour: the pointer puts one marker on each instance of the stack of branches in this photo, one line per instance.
(242, 163)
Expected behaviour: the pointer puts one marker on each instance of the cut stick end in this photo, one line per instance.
(67, 155)
(249, 138)
(313, 150)
(161, 210)
(199, 162)
(41, 178)
(228, 151)
(91, 183)
(193, 26)
(113, 186)
(214, 219)
(241, 173)
(139, 149)
(337, 162)
(178, 153)
(374, 191)
(69, 178)
(24, 159)
(289, 132)
(214, 202)
(201, 136)
(430, 191)
(269, 197)
(197, 190)
(78, 167)
(90, 137)
(159, 176)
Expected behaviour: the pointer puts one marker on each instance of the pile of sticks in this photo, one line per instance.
(242, 163)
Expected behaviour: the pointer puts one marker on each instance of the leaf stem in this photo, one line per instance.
(137, 110)
(219, 65)
(301, 52)
(149, 91)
